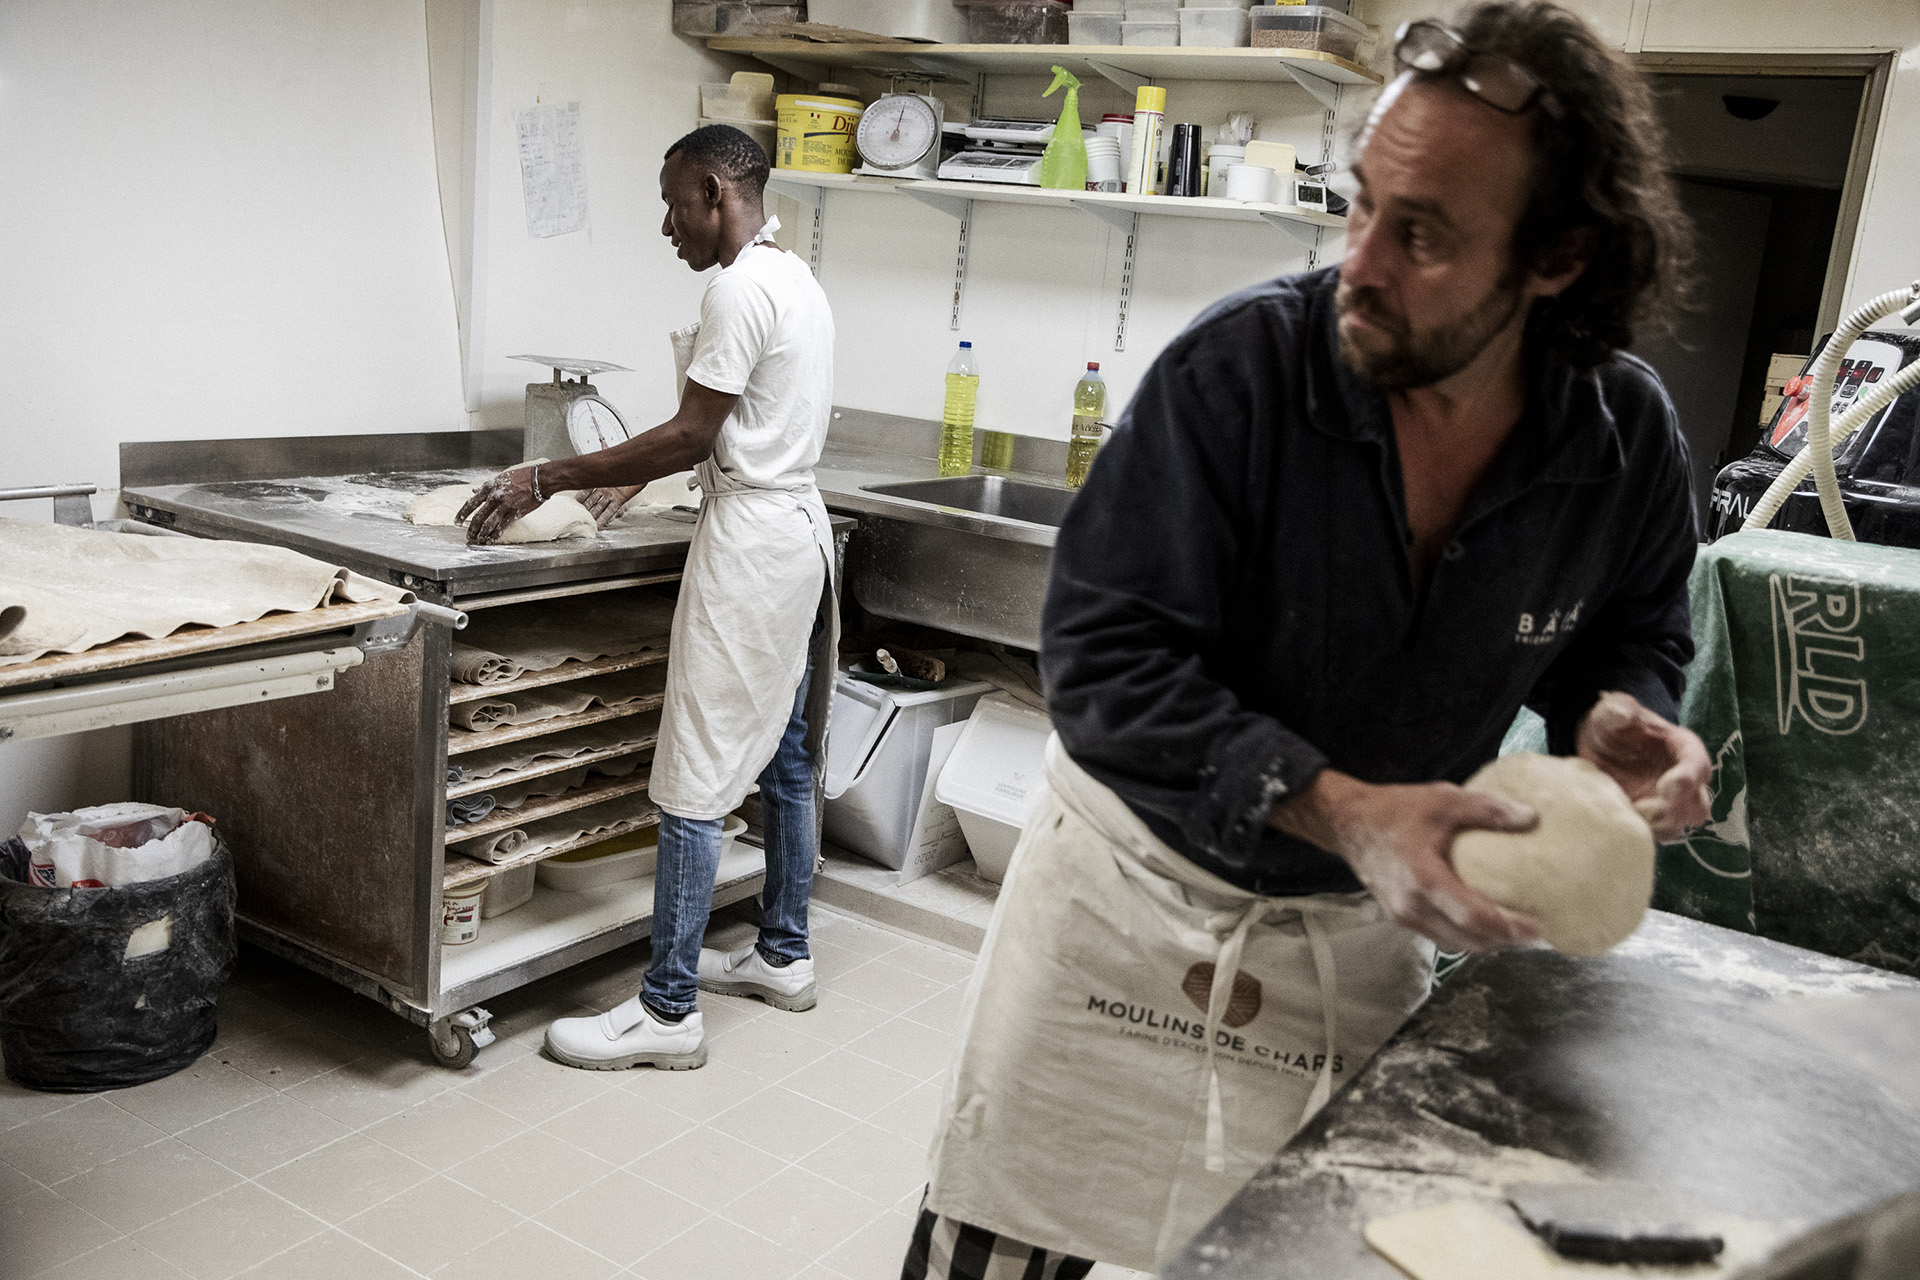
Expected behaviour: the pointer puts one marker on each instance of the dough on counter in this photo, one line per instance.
(1585, 874)
(560, 516)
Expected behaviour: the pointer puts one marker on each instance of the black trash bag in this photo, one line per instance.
(76, 1015)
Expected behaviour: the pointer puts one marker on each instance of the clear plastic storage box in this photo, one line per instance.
(731, 17)
(1017, 21)
(939, 20)
(1213, 28)
(1306, 26)
(1093, 28)
(1150, 33)
(1116, 8)
(1153, 10)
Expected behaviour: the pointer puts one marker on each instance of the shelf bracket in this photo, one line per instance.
(1128, 80)
(953, 206)
(1126, 283)
(1305, 232)
(1325, 92)
(1121, 219)
(807, 194)
(960, 267)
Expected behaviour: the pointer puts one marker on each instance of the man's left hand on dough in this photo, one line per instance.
(1663, 768)
(499, 502)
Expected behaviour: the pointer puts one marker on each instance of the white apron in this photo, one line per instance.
(758, 576)
(1141, 1036)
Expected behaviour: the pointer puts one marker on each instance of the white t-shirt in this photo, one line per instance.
(766, 335)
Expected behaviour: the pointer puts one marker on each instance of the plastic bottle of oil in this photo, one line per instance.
(1089, 411)
(956, 432)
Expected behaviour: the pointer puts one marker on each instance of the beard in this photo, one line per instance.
(1419, 358)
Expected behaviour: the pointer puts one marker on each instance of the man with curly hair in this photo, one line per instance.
(1395, 501)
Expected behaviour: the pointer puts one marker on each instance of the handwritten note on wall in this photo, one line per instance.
(550, 169)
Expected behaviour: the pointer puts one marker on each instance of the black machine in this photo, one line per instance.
(1878, 465)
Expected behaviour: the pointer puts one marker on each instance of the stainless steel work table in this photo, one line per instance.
(1750, 1077)
(337, 812)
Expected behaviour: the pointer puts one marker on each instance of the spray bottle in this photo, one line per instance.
(1063, 166)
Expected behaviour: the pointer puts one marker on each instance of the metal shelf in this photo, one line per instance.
(512, 777)
(460, 869)
(1115, 208)
(459, 691)
(461, 741)
(505, 819)
(557, 929)
(1129, 66)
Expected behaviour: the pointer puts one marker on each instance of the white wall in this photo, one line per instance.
(614, 291)
(216, 219)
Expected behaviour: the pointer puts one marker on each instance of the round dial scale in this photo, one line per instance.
(593, 425)
(897, 130)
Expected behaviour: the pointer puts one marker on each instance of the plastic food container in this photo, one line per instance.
(1113, 8)
(1017, 22)
(507, 890)
(1153, 10)
(1214, 28)
(877, 758)
(1306, 26)
(1223, 156)
(1150, 33)
(625, 857)
(729, 17)
(460, 914)
(940, 20)
(1216, 4)
(815, 132)
(997, 770)
(1093, 28)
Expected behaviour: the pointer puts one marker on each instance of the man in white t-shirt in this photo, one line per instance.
(756, 397)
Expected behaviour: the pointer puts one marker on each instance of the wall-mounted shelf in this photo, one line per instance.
(1129, 66)
(1115, 208)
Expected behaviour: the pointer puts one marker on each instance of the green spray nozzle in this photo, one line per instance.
(1062, 76)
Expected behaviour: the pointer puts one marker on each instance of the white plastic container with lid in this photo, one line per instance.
(995, 774)
(507, 891)
(1017, 21)
(877, 761)
(1222, 157)
(940, 20)
(1113, 8)
(1093, 28)
(620, 858)
(1150, 33)
(1216, 4)
(1213, 28)
(1153, 10)
(1306, 26)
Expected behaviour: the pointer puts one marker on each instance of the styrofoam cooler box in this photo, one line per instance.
(995, 774)
(877, 761)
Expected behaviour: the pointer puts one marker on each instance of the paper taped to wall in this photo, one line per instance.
(550, 169)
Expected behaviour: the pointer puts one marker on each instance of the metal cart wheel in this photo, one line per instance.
(453, 1041)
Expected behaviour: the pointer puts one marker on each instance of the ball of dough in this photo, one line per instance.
(561, 516)
(1585, 874)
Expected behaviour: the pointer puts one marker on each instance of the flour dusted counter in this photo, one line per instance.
(339, 816)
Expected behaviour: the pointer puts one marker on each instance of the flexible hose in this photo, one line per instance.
(1852, 420)
(1817, 454)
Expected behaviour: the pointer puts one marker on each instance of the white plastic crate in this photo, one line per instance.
(877, 761)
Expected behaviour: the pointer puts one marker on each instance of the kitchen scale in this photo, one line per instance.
(566, 419)
(899, 136)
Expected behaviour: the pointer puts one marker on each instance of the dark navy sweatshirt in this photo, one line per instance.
(1233, 609)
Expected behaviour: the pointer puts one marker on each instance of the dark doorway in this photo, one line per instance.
(1761, 161)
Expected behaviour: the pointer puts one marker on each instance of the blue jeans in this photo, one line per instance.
(690, 859)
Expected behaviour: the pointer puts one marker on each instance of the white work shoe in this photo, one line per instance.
(746, 973)
(628, 1036)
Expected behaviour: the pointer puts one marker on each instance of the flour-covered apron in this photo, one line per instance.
(758, 578)
(1140, 1036)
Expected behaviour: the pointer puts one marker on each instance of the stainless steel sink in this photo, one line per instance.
(999, 496)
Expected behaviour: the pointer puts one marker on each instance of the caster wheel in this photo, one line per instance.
(452, 1046)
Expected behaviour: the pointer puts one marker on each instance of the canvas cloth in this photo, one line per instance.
(629, 733)
(1140, 1036)
(550, 702)
(607, 819)
(610, 624)
(66, 590)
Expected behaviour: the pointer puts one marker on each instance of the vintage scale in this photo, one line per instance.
(566, 419)
(899, 135)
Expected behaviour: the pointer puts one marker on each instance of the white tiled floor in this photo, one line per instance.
(318, 1142)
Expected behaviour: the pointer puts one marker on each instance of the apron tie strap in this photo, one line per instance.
(1226, 967)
